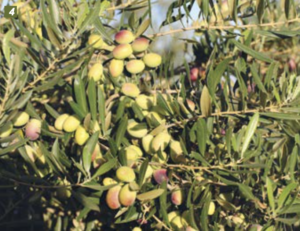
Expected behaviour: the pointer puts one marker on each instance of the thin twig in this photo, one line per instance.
(206, 27)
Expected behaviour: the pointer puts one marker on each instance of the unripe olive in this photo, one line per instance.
(176, 152)
(136, 229)
(126, 196)
(146, 143)
(124, 37)
(116, 67)
(239, 219)
(108, 181)
(125, 174)
(160, 142)
(20, 119)
(135, 66)
(140, 45)
(122, 51)
(154, 119)
(96, 72)
(132, 153)
(144, 102)
(137, 130)
(255, 227)
(60, 121)
(96, 40)
(160, 176)
(172, 215)
(212, 208)
(152, 60)
(33, 129)
(6, 130)
(31, 153)
(71, 124)
(159, 159)
(39, 32)
(112, 197)
(177, 196)
(130, 89)
(178, 223)
(63, 193)
(81, 135)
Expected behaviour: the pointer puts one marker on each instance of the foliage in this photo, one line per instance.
(226, 146)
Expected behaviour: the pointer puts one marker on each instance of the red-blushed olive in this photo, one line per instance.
(81, 135)
(194, 73)
(60, 121)
(122, 51)
(292, 64)
(124, 37)
(255, 227)
(140, 45)
(96, 72)
(135, 66)
(177, 196)
(112, 197)
(20, 119)
(130, 89)
(96, 41)
(125, 174)
(160, 176)
(127, 197)
(116, 67)
(152, 60)
(33, 129)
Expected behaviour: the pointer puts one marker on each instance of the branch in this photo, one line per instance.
(207, 27)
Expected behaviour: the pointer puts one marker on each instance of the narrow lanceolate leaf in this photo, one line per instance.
(285, 193)
(250, 132)
(104, 168)
(90, 18)
(214, 77)
(87, 202)
(80, 95)
(143, 27)
(251, 52)
(201, 135)
(101, 107)
(150, 195)
(205, 102)
(293, 162)
(270, 194)
(92, 99)
(88, 151)
(6, 47)
(259, 9)
(287, 5)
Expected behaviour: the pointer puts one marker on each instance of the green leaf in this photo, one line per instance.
(205, 102)
(142, 172)
(281, 116)
(285, 193)
(6, 46)
(121, 130)
(86, 201)
(93, 15)
(201, 135)
(246, 190)
(251, 52)
(31, 37)
(287, 6)
(104, 168)
(101, 108)
(51, 111)
(163, 103)
(270, 195)
(88, 151)
(92, 98)
(257, 79)
(259, 9)
(251, 128)
(150, 195)
(293, 162)
(214, 77)
(163, 203)
(142, 28)
(79, 90)
(76, 108)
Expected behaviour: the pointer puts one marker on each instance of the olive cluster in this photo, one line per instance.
(128, 54)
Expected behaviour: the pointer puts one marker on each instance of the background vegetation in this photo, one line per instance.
(230, 99)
